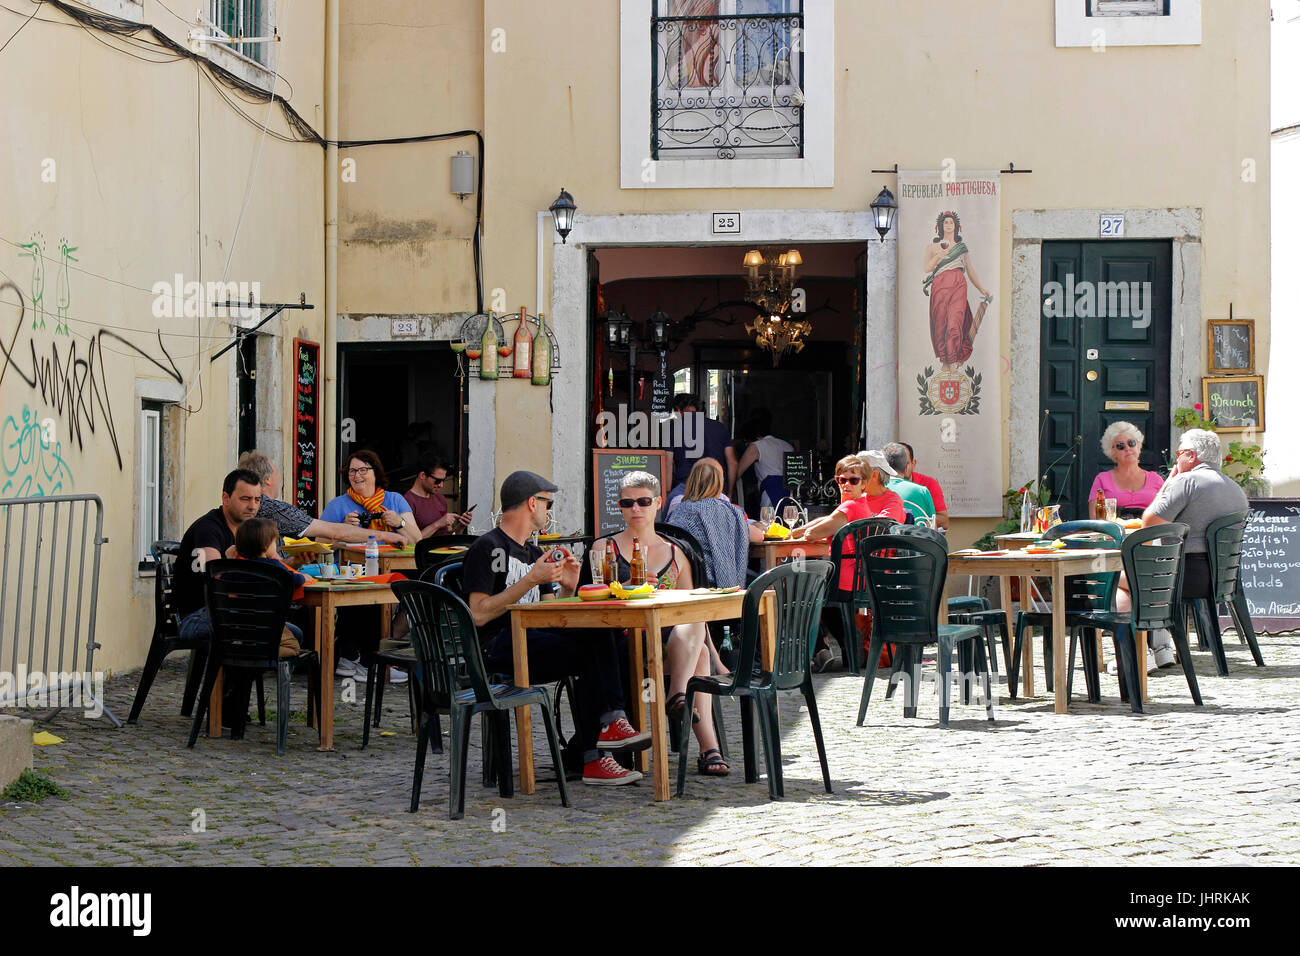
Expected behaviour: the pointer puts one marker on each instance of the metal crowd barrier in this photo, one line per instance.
(49, 593)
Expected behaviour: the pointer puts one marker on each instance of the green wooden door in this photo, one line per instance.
(1105, 342)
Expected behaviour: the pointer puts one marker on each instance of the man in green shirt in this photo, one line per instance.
(916, 498)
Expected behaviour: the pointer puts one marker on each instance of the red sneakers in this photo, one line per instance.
(606, 772)
(619, 735)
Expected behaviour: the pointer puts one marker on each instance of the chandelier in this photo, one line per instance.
(769, 285)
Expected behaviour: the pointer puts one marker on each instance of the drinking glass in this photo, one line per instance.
(791, 515)
(767, 514)
(1112, 508)
(596, 557)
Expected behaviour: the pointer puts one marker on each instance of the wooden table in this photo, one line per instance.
(772, 553)
(1056, 566)
(326, 598)
(643, 618)
(390, 559)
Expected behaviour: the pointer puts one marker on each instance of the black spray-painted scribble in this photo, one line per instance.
(76, 386)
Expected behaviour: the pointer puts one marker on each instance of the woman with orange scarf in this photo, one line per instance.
(367, 505)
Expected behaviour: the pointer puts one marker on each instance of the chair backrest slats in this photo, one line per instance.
(1223, 540)
(800, 589)
(1094, 591)
(1153, 565)
(906, 574)
(848, 541)
(247, 604)
(445, 642)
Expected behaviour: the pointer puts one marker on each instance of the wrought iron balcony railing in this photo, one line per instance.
(727, 87)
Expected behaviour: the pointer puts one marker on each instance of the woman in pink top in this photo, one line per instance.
(1129, 484)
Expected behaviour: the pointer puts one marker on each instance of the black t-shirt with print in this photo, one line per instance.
(493, 563)
(209, 531)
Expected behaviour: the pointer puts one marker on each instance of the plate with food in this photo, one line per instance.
(450, 549)
(731, 590)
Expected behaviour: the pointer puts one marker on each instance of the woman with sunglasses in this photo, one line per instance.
(666, 567)
(1132, 487)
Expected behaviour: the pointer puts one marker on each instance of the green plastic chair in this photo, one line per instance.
(848, 603)
(1084, 593)
(447, 653)
(425, 558)
(1223, 549)
(1153, 565)
(906, 574)
(800, 588)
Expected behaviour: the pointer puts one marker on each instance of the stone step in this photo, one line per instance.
(15, 748)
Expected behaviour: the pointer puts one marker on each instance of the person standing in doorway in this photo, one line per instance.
(766, 453)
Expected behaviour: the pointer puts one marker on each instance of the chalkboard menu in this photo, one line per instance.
(1270, 563)
(609, 465)
(306, 423)
(1235, 402)
(661, 387)
(797, 469)
(1232, 346)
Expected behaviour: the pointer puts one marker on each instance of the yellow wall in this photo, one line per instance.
(124, 138)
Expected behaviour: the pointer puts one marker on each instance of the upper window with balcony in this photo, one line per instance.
(727, 79)
(727, 94)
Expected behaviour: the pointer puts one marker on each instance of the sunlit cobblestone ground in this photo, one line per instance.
(1178, 785)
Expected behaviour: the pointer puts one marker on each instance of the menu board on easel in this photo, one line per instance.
(306, 423)
(608, 466)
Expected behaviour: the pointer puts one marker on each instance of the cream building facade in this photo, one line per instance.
(1164, 122)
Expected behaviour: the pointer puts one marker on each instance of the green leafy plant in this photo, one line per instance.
(1243, 462)
(33, 787)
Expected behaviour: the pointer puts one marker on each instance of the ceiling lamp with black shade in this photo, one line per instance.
(769, 286)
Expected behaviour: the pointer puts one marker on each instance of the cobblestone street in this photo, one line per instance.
(1178, 785)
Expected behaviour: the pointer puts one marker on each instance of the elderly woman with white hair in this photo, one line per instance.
(1132, 487)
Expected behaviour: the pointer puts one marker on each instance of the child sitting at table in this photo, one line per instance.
(255, 540)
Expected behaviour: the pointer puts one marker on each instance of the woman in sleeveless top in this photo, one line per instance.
(1132, 487)
(686, 654)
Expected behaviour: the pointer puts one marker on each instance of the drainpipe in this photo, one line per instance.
(329, 354)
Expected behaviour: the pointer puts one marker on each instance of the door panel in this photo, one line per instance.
(1116, 329)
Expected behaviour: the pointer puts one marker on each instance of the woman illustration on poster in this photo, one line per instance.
(947, 264)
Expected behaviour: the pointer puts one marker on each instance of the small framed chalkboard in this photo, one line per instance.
(608, 466)
(797, 468)
(1232, 346)
(1234, 402)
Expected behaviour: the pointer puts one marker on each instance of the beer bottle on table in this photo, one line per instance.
(637, 563)
(609, 564)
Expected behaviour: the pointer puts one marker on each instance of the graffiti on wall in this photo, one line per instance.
(32, 463)
(70, 376)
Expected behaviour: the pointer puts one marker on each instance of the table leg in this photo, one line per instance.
(636, 653)
(325, 649)
(314, 720)
(1141, 637)
(523, 717)
(1027, 655)
(1004, 592)
(767, 630)
(214, 707)
(1060, 645)
(658, 719)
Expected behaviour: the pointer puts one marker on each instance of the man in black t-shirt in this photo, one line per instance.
(504, 567)
(207, 539)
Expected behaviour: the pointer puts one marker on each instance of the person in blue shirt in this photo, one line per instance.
(368, 503)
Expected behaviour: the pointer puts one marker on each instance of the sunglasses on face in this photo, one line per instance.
(549, 502)
(848, 480)
(626, 503)
(437, 481)
(1120, 445)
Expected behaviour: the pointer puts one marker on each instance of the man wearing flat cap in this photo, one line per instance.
(504, 567)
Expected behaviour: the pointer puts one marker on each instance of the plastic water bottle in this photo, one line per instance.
(372, 556)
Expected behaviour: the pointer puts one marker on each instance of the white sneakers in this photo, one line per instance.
(354, 669)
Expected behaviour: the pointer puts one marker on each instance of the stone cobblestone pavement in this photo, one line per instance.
(1178, 785)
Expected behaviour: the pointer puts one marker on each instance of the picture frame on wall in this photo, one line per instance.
(1235, 403)
(1231, 348)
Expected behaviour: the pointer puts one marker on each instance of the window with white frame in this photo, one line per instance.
(149, 466)
(1128, 8)
(244, 18)
(727, 79)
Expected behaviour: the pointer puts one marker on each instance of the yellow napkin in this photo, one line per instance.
(43, 738)
(778, 531)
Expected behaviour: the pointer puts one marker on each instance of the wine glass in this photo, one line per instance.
(791, 515)
(596, 557)
(767, 514)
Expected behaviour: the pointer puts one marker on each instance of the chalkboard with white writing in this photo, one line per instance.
(1235, 403)
(1270, 564)
(1232, 349)
(608, 466)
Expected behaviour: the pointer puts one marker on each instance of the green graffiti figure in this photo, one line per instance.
(35, 251)
(63, 289)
